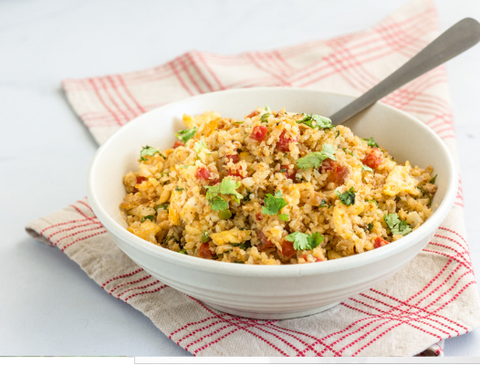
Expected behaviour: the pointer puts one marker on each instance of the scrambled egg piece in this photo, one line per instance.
(234, 235)
(399, 180)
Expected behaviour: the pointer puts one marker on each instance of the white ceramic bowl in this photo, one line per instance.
(268, 292)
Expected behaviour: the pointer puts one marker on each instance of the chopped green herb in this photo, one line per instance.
(186, 134)
(316, 121)
(182, 252)
(198, 146)
(369, 227)
(150, 217)
(284, 217)
(338, 133)
(226, 187)
(267, 108)
(178, 189)
(426, 193)
(205, 237)
(218, 203)
(371, 142)
(225, 214)
(161, 206)
(244, 245)
(273, 203)
(149, 151)
(285, 155)
(348, 197)
(229, 187)
(366, 168)
(433, 179)
(163, 174)
(347, 152)
(304, 241)
(372, 201)
(283, 170)
(240, 122)
(264, 118)
(315, 159)
(323, 204)
(247, 198)
(396, 225)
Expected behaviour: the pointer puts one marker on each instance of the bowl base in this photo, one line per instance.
(270, 315)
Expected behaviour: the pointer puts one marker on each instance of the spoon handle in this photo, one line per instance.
(455, 40)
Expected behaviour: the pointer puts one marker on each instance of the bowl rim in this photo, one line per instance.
(345, 263)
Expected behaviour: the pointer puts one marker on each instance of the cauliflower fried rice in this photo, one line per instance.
(273, 188)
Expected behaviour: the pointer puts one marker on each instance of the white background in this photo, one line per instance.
(48, 304)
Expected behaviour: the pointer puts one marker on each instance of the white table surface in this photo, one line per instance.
(49, 305)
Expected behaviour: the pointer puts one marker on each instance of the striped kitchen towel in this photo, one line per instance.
(433, 298)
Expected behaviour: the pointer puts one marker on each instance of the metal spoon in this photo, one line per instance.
(455, 40)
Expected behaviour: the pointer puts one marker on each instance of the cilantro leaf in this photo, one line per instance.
(218, 203)
(229, 187)
(366, 168)
(348, 197)
(284, 217)
(186, 134)
(371, 142)
(273, 204)
(316, 121)
(323, 204)
(198, 146)
(315, 159)
(396, 225)
(264, 118)
(304, 241)
(226, 187)
(149, 151)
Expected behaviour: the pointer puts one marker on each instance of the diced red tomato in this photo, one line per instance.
(265, 243)
(259, 133)
(215, 182)
(290, 173)
(204, 251)
(336, 172)
(287, 249)
(373, 159)
(141, 179)
(233, 158)
(379, 242)
(178, 144)
(258, 216)
(202, 173)
(283, 142)
(253, 114)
